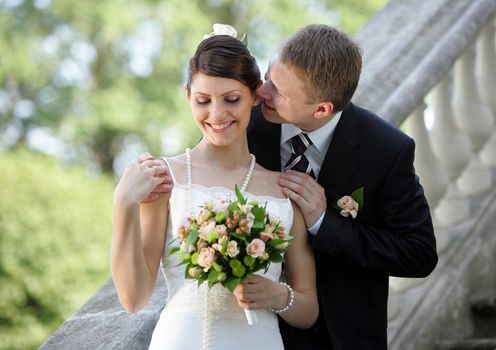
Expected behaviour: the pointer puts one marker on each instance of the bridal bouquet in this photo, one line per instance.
(229, 240)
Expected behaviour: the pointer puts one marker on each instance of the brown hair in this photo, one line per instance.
(328, 59)
(225, 57)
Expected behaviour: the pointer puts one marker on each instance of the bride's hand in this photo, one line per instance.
(164, 187)
(138, 180)
(257, 292)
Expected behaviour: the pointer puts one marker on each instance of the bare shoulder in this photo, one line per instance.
(265, 182)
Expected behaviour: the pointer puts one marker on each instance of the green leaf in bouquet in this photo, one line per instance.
(234, 263)
(276, 257)
(221, 277)
(173, 250)
(239, 271)
(275, 242)
(258, 224)
(253, 203)
(192, 237)
(240, 197)
(231, 282)
(212, 236)
(357, 196)
(240, 237)
(212, 278)
(233, 207)
(259, 214)
(202, 279)
(194, 258)
(217, 267)
(171, 242)
(220, 217)
(249, 260)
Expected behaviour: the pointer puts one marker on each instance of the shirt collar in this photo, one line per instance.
(320, 137)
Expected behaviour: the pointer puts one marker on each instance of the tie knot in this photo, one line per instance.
(300, 143)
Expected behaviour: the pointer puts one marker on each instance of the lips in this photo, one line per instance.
(268, 106)
(221, 126)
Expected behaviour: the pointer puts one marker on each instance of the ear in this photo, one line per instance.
(186, 90)
(256, 97)
(323, 110)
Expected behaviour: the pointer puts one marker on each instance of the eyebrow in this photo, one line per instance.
(225, 93)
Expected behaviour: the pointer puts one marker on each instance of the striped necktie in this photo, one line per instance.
(298, 161)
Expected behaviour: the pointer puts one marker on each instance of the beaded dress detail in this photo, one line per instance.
(202, 318)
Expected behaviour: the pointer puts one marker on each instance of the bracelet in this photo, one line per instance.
(291, 297)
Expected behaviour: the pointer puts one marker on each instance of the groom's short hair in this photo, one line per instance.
(327, 60)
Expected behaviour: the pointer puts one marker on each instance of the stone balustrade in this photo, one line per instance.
(429, 68)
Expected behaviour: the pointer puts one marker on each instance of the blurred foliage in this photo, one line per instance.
(54, 244)
(95, 83)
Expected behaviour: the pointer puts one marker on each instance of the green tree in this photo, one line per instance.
(54, 244)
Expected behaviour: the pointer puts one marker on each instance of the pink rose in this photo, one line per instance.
(348, 206)
(256, 248)
(201, 244)
(221, 230)
(232, 249)
(195, 271)
(206, 258)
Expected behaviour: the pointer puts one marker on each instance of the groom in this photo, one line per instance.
(306, 122)
(307, 126)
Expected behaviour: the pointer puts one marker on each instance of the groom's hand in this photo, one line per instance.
(302, 189)
(164, 187)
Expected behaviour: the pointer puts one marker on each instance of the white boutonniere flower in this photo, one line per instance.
(350, 205)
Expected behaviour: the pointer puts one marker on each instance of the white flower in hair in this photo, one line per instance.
(222, 29)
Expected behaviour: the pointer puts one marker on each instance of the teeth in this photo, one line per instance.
(220, 126)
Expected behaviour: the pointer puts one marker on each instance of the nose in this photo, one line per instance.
(262, 91)
(217, 111)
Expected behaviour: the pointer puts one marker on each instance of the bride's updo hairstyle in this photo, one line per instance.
(225, 57)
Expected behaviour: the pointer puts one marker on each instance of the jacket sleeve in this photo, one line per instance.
(404, 245)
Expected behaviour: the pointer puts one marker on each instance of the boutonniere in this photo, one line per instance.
(350, 205)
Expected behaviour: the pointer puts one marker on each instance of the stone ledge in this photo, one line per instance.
(102, 323)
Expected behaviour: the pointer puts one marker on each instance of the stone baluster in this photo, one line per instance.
(434, 179)
(485, 73)
(431, 171)
(452, 148)
(475, 119)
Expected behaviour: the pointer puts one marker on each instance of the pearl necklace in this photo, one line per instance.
(190, 181)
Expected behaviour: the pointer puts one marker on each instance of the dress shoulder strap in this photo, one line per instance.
(171, 172)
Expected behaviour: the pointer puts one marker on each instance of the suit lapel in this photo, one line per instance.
(341, 158)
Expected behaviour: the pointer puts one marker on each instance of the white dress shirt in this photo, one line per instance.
(321, 139)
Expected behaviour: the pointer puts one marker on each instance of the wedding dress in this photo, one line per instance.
(196, 317)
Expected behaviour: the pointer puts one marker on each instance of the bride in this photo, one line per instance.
(222, 79)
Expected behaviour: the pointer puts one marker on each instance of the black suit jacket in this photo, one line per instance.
(391, 236)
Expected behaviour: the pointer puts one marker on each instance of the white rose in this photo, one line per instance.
(348, 207)
(206, 229)
(232, 249)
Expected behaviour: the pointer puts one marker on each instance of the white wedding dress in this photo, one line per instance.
(196, 317)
